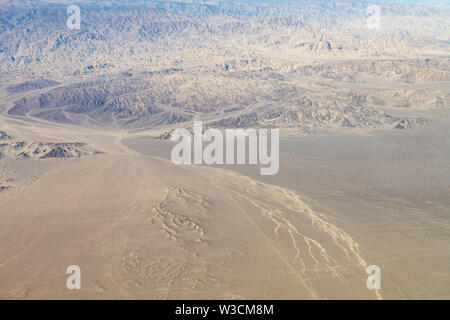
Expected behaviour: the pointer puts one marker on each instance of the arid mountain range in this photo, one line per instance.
(86, 177)
(301, 64)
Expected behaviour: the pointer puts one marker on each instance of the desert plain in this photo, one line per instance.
(86, 176)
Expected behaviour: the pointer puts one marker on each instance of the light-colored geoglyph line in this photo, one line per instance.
(294, 271)
(294, 233)
(262, 196)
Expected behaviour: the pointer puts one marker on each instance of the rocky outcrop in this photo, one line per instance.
(31, 85)
(41, 150)
(4, 136)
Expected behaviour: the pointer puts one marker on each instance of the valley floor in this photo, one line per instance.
(141, 227)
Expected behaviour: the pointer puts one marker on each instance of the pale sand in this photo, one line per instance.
(141, 227)
(390, 191)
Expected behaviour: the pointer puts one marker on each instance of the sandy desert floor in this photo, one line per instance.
(141, 227)
(87, 102)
